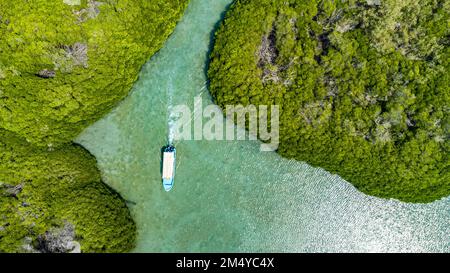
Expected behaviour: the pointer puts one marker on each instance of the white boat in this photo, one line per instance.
(168, 167)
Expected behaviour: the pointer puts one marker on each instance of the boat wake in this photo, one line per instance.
(173, 116)
(170, 113)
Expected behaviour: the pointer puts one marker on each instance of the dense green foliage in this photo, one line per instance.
(62, 67)
(54, 187)
(363, 86)
(94, 50)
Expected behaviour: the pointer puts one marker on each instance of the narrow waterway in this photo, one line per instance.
(228, 195)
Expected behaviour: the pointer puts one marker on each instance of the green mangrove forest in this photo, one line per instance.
(62, 67)
(363, 86)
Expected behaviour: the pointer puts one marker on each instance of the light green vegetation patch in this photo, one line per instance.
(65, 66)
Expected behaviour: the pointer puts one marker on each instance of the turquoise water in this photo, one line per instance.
(228, 195)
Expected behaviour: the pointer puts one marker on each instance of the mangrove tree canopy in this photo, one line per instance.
(363, 86)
